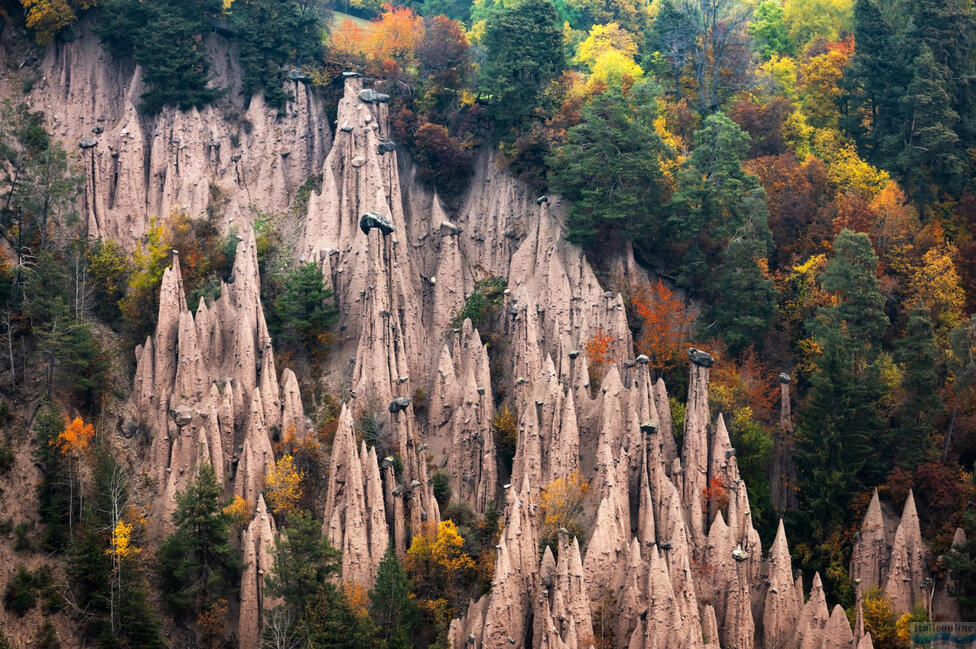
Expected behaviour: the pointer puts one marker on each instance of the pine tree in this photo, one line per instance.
(610, 167)
(931, 160)
(331, 622)
(305, 310)
(916, 417)
(961, 561)
(839, 422)
(393, 608)
(304, 559)
(715, 198)
(524, 46)
(873, 72)
(852, 277)
(53, 493)
(197, 566)
(744, 295)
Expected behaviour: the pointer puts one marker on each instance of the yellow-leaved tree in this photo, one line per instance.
(437, 564)
(561, 507)
(120, 544)
(48, 17)
(283, 486)
(936, 284)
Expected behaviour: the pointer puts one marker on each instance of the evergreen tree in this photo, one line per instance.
(272, 33)
(852, 277)
(524, 46)
(331, 622)
(931, 158)
(106, 580)
(166, 39)
(393, 609)
(916, 417)
(610, 167)
(197, 565)
(53, 493)
(873, 72)
(304, 559)
(839, 422)
(961, 562)
(305, 310)
(744, 296)
(673, 34)
(715, 198)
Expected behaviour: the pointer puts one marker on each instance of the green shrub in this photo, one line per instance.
(23, 542)
(6, 456)
(442, 488)
(48, 639)
(483, 304)
(21, 594)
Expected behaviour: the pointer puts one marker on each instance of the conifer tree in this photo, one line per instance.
(744, 294)
(524, 45)
(715, 198)
(961, 561)
(610, 167)
(931, 159)
(917, 416)
(839, 423)
(304, 559)
(393, 609)
(197, 566)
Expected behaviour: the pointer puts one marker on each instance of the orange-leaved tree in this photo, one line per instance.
(73, 441)
(388, 46)
(664, 323)
(598, 347)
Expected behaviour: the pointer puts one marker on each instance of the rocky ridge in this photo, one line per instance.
(672, 570)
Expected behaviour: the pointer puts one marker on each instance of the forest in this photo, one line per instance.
(798, 177)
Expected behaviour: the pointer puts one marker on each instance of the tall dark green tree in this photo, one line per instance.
(524, 46)
(872, 77)
(271, 34)
(714, 200)
(393, 609)
(744, 296)
(931, 160)
(331, 622)
(110, 587)
(961, 561)
(839, 422)
(53, 493)
(305, 310)
(166, 38)
(197, 565)
(673, 34)
(915, 420)
(948, 29)
(852, 276)
(610, 167)
(304, 559)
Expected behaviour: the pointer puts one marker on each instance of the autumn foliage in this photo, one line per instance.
(75, 438)
(664, 322)
(599, 352)
(561, 507)
(283, 486)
